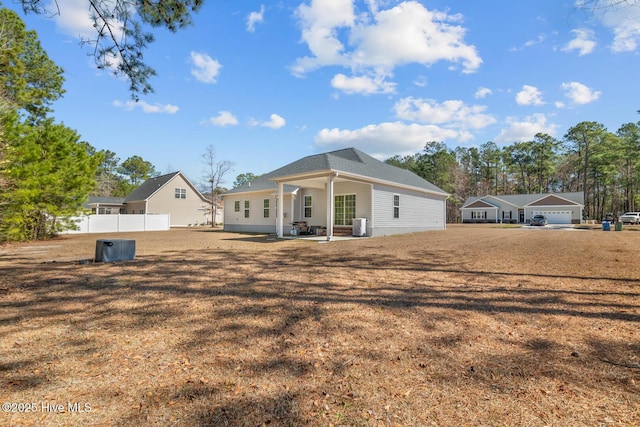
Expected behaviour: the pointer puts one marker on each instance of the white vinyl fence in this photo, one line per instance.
(119, 223)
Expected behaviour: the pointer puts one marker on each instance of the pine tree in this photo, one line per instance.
(51, 172)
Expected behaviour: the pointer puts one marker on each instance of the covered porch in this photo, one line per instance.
(329, 200)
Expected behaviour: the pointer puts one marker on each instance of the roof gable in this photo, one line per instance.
(152, 185)
(552, 200)
(479, 204)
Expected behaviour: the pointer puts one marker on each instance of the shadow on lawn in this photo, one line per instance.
(286, 301)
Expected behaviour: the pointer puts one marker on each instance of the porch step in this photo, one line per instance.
(342, 231)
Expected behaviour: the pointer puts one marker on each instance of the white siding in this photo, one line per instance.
(363, 197)
(236, 221)
(318, 206)
(487, 214)
(508, 214)
(418, 211)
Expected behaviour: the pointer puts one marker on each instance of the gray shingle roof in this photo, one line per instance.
(261, 183)
(349, 161)
(102, 201)
(150, 186)
(106, 200)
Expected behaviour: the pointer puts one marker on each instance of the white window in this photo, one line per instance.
(181, 193)
(307, 206)
(396, 206)
(266, 208)
(236, 206)
(246, 209)
(478, 214)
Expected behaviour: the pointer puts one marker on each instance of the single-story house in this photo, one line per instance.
(171, 194)
(559, 208)
(337, 193)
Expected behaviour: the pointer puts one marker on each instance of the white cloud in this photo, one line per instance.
(224, 118)
(275, 122)
(482, 92)
(74, 19)
(579, 93)
(255, 18)
(453, 113)
(410, 33)
(421, 81)
(623, 18)
(539, 40)
(583, 42)
(386, 139)
(320, 21)
(146, 107)
(377, 41)
(525, 130)
(529, 95)
(363, 85)
(627, 37)
(529, 43)
(205, 69)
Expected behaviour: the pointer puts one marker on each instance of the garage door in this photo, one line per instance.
(556, 217)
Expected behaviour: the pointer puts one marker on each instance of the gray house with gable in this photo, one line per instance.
(559, 208)
(331, 192)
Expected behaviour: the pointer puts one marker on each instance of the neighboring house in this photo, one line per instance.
(559, 208)
(171, 194)
(333, 191)
(105, 205)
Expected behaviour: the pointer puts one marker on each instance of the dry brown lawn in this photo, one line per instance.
(476, 325)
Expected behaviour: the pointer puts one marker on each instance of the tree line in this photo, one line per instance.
(604, 165)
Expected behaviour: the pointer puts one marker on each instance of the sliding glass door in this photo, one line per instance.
(344, 209)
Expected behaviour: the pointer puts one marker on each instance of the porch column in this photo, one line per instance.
(330, 207)
(279, 223)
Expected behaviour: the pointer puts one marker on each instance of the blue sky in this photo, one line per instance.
(266, 83)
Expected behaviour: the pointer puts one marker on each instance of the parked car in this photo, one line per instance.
(630, 218)
(539, 220)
